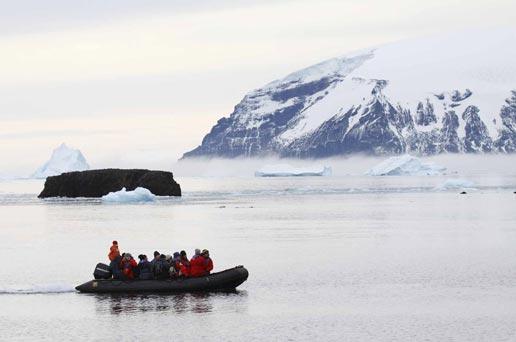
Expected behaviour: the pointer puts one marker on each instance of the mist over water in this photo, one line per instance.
(461, 164)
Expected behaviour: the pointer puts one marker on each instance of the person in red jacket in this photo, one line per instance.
(197, 268)
(208, 263)
(114, 252)
(201, 264)
(184, 265)
(128, 264)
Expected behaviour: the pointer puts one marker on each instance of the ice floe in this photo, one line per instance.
(124, 196)
(457, 183)
(405, 165)
(286, 170)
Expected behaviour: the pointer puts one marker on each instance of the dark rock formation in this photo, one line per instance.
(97, 183)
(450, 141)
(477, 137)
(425, 114)
(457, 96)
(507, 140)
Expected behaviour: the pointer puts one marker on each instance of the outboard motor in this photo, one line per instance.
(102, 271)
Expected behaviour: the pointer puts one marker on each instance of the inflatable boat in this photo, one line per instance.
(227, 280)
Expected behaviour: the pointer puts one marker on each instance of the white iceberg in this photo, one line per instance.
(286, 170)
(457, 183)
(405, 165)
(63, 159)
(123, 196)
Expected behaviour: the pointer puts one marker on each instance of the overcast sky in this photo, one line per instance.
(137, 83)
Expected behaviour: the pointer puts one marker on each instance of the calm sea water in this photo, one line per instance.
(336, 258)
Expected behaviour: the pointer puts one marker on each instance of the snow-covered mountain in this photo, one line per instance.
(454, 93)
(63, 159)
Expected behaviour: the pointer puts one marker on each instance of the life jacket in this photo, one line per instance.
(113, 252)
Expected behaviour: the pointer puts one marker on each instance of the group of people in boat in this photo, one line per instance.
(161, 267)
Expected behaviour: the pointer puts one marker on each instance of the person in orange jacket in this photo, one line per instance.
(114, 252)
(128, 264)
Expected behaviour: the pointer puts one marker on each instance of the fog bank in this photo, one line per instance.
(465, 165)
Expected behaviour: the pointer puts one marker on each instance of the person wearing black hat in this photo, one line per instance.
(161, 268)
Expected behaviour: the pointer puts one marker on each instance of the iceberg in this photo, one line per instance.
(457, 183)
(123, 196)
(285, 170)
(63, 159)
(405, 165)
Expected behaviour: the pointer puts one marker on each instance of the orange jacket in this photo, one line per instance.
(113, 252)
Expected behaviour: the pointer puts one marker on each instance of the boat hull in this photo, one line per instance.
(227, 280)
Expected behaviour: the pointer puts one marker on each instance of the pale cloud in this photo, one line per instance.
(230, 37)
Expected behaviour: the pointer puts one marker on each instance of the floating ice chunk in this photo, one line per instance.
(286, 170)
(405, 165)
(457, 183)
(123, 196)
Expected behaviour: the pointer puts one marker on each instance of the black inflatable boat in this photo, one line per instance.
(227, 280)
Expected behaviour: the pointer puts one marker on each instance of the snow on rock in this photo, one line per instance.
(286, 170)
(63, 159)
(123, 196)
(457, 183)
(405, 165)
(447, 93)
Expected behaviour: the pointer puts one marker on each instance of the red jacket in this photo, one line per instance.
(197, 267)
(127, 267)
(184, 267)
(200, 266)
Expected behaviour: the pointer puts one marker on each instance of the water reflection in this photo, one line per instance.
(200, 303)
